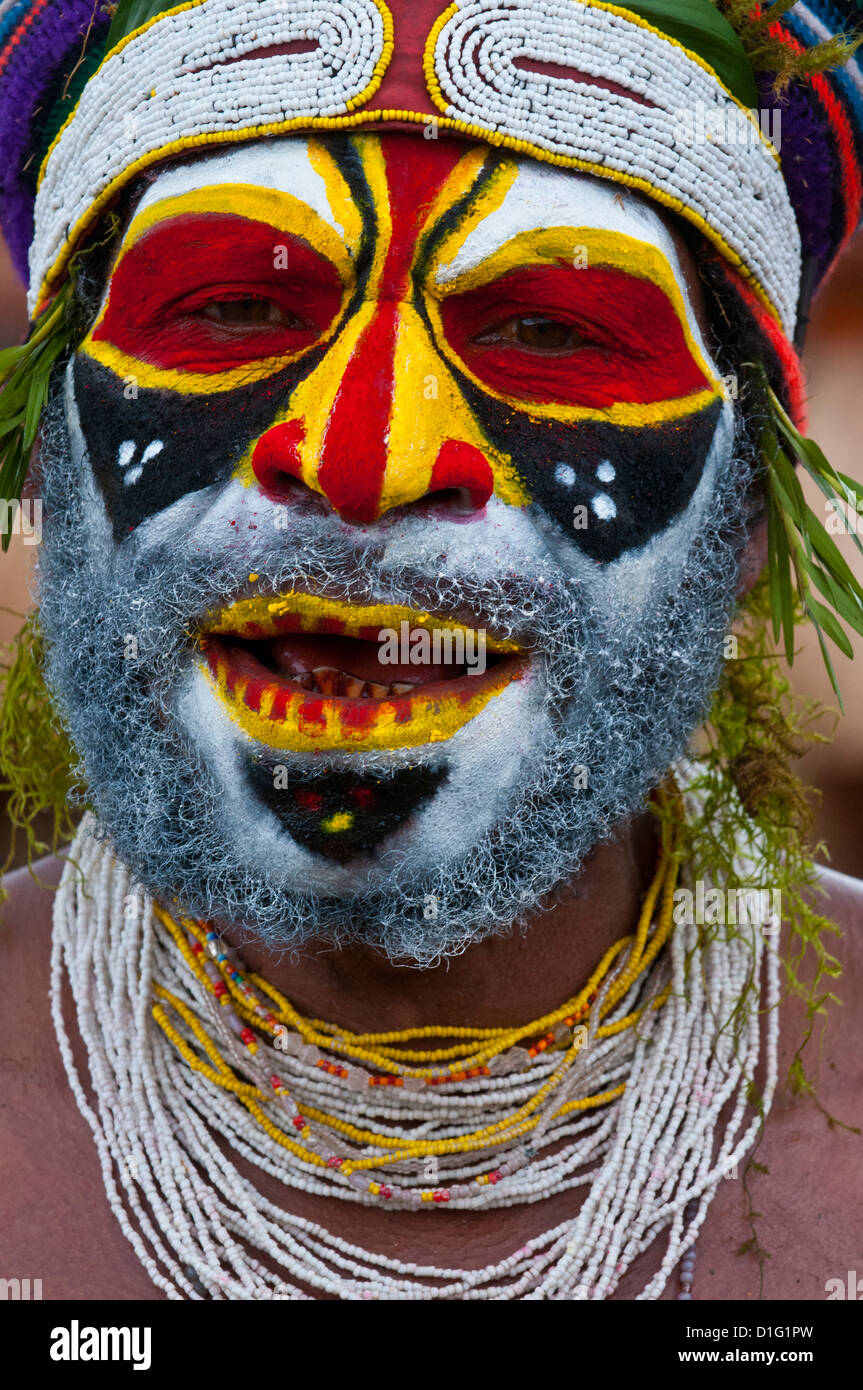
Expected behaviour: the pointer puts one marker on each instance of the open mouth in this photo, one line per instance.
(304, 672)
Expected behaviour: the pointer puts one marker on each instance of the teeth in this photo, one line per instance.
(351, 685)
(328, 679)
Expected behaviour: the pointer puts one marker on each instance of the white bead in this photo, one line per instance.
(645, 1159)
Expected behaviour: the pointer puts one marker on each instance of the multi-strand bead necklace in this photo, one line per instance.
(631, 1090)
(338, 1140)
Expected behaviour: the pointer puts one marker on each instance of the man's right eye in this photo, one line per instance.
(250, 311)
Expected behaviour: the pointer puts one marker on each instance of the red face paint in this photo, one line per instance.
(161, 286)
(462, 465)
(354, 454)
(633, 348)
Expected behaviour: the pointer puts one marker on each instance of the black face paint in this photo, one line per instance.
(609, 488)
(202, 436)
(340, 815)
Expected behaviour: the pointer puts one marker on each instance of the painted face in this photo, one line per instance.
(389, 455)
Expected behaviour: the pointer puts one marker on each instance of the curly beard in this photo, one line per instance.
(624, 659)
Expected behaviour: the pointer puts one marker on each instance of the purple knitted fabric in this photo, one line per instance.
(48, 47)
(810, 168)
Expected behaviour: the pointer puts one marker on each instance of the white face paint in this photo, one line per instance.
(562, 528)
(282, 165)
(542, 197)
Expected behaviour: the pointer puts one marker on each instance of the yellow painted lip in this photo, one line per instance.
(274, 711)
(266, 616)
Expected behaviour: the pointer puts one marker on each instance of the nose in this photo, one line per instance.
(381, 423)
(461, 479)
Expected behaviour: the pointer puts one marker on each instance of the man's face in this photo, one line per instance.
(390, 553)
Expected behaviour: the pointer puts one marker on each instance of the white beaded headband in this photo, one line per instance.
(190, 78)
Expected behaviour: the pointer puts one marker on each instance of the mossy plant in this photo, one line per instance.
(36, 757)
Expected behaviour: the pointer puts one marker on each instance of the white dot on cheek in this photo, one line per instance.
(564, 474)
(126, 453)
(603, 507)
(153, 448)
(605, 472)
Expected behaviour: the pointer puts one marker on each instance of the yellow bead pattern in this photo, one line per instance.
(387, 1051)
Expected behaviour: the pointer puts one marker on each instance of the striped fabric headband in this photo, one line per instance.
(583, 84)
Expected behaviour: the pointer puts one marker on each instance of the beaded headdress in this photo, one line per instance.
(681, 100)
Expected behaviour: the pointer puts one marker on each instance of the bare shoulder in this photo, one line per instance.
(25, 915)
(841, 901)
(807, 1191)
(25, 948)
(843, 897)
(56, 1224)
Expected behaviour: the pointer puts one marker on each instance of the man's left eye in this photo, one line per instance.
(251, 311)
(535, 331)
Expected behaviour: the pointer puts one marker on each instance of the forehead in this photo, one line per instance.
(537, 196)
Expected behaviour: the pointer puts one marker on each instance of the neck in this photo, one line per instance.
(500, 981)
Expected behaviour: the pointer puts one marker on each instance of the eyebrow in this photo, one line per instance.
(564, 246)
(288, 216)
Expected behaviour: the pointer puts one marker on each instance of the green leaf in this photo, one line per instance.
(844, 502)
(828, 665)
(699, 26)
(10, 357)
(827, 550)
(854, 488)
(827, 620)
(35, 406)
(852, 613)
(23, 396)
(791, 485)
(12, 424)
(130, 15)
(781, 595)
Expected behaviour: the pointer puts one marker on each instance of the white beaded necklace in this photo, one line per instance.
(651, 1160)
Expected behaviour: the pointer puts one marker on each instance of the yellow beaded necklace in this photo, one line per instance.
(392, 1058)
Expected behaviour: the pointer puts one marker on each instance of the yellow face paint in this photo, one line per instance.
(304, 612)
(558, 246)
(275, 711)
(304, 723)
(288, 216)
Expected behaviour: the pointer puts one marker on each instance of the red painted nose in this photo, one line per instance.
(463, 465)
(276, 464)
(276, 458)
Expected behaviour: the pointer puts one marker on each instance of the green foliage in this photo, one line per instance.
(802, 557)
(25, 378)
(26, 371)
(703, 29)
(36, 758)
(745, 788)
(131, 14)
(769, 54)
